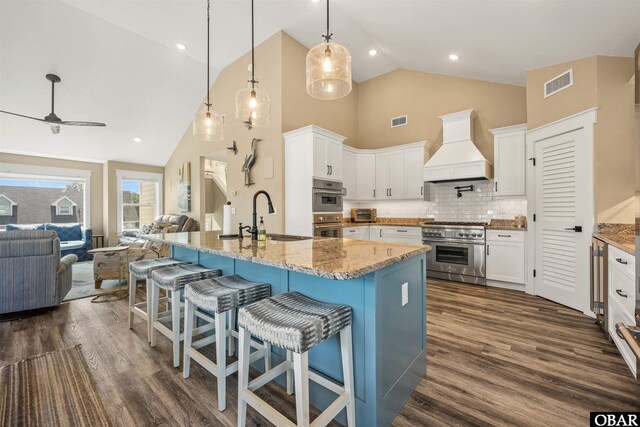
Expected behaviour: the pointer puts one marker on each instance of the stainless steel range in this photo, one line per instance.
(458, 251)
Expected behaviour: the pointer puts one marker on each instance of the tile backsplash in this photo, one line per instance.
(479, 205)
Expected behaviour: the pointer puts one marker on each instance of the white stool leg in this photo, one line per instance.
(155, 295)
(289, 372)
(267, 356)
(346, 350)
(232, 325)
(301, 372)
(175, 326)
(132, 297)
(188, 333)
(149, 303)
(221, 358)
(243, 374)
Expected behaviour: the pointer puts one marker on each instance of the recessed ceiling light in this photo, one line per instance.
(373, 52)
(315, 1)
(453, 57)
(137, 139)
(181, 46)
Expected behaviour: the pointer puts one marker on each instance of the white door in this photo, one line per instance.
(562, 179)
(365, 176)
(349, 182)
(505, 261)
(334, 159)
(320, 158)
(509, 164)
(396, 174)
(382, 176)
(376, 233)
(413, 164)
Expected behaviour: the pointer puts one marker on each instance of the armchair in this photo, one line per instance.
(32, 275)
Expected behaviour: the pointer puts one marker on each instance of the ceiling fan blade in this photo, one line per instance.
(78, 123)
(22, 115)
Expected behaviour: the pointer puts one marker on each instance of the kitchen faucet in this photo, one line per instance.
(254, 229)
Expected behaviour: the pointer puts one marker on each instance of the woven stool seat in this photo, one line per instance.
(177, 276)
(293, 321)
(224, 293)
(145, 267)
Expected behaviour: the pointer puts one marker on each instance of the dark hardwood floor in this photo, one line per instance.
(495, 357)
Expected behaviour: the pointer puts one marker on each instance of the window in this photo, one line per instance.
(139, 199)
(36, 195)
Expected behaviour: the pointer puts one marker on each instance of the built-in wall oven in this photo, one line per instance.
(327, 225)
(457, 253)
(327, 196)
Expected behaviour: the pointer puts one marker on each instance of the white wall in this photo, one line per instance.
(480, 205)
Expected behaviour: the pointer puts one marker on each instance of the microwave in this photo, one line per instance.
(327, 196)
(364, 215)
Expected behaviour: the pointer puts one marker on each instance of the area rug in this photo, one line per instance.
(51, 389)
(83, 285)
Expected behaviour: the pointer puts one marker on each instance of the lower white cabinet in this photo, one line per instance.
(385, 233)
(376, 232)
(621, 306)
(360, 233)
(505, 256)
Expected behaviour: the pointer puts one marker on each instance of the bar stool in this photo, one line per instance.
(143, 269)
(296, 323)
(221, 296)
(173, 279)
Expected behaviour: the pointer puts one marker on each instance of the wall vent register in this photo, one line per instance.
(558, 83)
(399, 121)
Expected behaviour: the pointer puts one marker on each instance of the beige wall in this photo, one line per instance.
(299, 109)
(110, 195)
(600, 82)
(424, 97)
(192, 149)
(96, 179)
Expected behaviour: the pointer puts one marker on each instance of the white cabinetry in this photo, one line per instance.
(509, 160)
(309, 152)
(413, 164)
(402, 234)
(376, 233)
(365, 176)
(505, 258)
(382, 176)
(622, 299)
(360, 233)
(349, 175)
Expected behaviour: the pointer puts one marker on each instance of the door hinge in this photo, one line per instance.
(534, 217)
(533, 159)
(534, 272)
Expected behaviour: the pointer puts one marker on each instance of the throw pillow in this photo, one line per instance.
(159, 227)
(144, 230)
(29, 227)
(66, 232)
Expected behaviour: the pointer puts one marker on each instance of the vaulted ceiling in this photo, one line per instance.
(119, 64)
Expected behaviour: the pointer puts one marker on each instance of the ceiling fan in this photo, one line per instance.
(53, 120)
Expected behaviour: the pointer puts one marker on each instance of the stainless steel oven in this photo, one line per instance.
(327, 225)
(327, 196)
(457, 253)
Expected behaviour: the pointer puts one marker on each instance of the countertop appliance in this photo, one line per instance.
(327, 196)
(327, 225)
(457, 252)
(599, 286)
(364, 215)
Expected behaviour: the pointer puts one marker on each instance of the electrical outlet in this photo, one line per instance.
(405, 294)
(233, 211)
(234, 193)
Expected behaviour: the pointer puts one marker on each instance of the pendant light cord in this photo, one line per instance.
(253, 55)
(208, 53)
(327, 37)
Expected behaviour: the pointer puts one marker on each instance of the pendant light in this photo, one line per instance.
(253, 106)
(328, 69)
(207, 124)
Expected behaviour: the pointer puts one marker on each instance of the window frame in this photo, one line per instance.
(127, 175)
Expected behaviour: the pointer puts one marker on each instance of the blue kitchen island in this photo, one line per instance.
(383, 282)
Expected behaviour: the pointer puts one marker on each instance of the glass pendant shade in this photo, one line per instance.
(328, 71)
(253, 106)
(208, 125)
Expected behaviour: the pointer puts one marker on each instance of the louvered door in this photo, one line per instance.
(561, 176)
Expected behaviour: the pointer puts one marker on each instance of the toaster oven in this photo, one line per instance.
(363, 215)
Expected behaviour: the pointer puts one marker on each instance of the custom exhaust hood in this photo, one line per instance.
(458, 159)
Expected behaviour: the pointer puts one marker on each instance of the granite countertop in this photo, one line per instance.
(621, 236)
(340, 259)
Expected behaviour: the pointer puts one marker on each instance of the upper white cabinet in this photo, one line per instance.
(349, 175)
(327, 156)
(509, 160)
(365, 176)
(387, 173)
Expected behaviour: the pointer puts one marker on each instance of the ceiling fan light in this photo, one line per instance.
(329, 71)
(253, 106)
(208, 125)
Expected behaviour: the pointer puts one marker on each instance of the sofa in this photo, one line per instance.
(74, 239)
(183, 223)
(32, 274)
